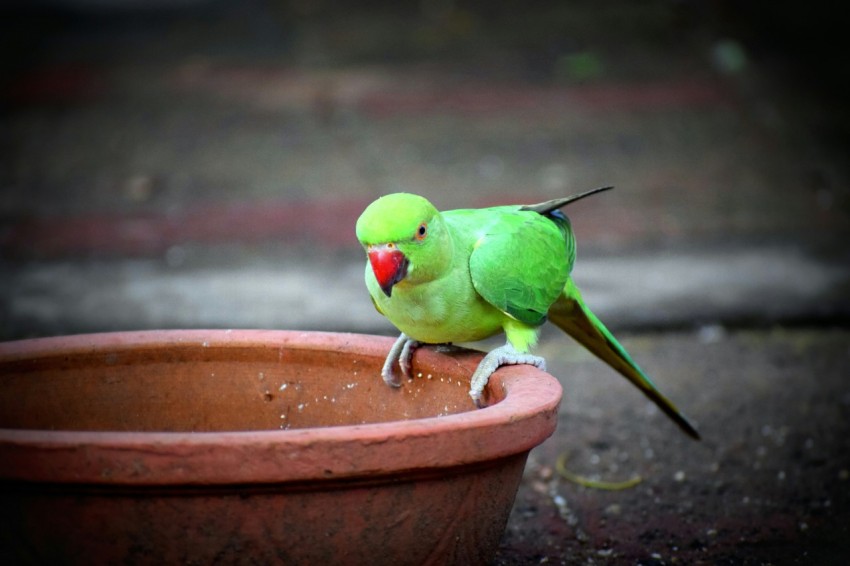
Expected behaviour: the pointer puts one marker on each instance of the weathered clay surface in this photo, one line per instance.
(204, 446)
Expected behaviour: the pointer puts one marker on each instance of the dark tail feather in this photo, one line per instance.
(570, 314)
(555, 204)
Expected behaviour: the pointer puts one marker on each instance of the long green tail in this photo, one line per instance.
(570, 314)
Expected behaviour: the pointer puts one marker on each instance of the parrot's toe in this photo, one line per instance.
(390, 378)
(405, 359)
(504, 356)
(401, 354)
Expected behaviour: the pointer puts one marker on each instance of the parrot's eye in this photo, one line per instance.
(422, 231)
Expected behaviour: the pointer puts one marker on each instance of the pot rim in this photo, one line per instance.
(525, 417)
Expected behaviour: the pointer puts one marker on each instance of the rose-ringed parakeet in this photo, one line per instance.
(465, 275)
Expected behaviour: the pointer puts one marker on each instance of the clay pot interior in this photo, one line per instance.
(193, 387)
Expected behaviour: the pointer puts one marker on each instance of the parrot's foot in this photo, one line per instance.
(504, 356)
(401, 353)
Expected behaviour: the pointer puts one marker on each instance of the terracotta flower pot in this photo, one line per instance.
(256, 446)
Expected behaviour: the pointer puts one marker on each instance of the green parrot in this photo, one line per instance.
(465, 275)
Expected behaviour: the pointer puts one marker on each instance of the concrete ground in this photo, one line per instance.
(201, 165)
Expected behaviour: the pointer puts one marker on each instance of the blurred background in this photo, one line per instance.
(223, 150)
(201, 164)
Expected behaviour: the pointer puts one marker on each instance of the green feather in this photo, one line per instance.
(570, 314)
(518, 262)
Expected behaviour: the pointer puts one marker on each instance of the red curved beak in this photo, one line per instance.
(389, 266)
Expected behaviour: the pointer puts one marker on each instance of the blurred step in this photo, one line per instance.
(752, 286)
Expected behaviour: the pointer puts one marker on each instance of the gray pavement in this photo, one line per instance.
(736, 287)
(768, 484)
(201, 164)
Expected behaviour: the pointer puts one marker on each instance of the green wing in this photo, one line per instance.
(520, 260)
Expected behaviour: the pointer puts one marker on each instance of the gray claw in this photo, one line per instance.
(401, 353)
(504, 356)
(405, 360)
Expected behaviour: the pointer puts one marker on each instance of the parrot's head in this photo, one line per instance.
(405, 240)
